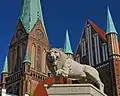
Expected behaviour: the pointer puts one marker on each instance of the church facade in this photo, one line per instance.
(101, 50)
(27, 52)
(26, 65)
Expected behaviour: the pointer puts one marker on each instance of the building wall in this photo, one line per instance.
(37, 44)
(96, 54)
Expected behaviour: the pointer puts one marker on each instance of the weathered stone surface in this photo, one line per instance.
(60, 64)
(74, 90)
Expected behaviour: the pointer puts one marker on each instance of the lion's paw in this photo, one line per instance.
(64, 75)
(58, 72)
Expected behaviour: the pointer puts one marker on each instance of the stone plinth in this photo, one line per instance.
(74, 90)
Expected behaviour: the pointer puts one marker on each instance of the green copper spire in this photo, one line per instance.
(27, 58)
(67, 45)
(31, 13)
(110, 24)
(5, 67)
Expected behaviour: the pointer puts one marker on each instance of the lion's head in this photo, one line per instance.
(53, 55)
(55, 59)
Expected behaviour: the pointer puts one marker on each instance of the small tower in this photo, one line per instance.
(4, 73)
(114, 56)
(26, 76)
(67, 46)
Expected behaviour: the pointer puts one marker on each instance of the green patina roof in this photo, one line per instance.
(31, 13)
(110, 24)
(27, 58)
(5, 66)
(67, 45)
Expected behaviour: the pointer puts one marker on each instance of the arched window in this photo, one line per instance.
(83, 49)
(23, 51)
(97, 48)
(38, 58)
(13, 59)
(33, 56)
(18, 60)
(104, 51)
(43, 61)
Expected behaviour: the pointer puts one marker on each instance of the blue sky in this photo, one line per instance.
(59, 15)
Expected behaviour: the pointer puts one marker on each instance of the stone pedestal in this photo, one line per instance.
(74, 90)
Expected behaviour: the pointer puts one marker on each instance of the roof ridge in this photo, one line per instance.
(98, 30)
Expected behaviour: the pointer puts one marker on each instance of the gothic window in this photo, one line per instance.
(18, 52)
(88, 32)
(104, 51)
(13, 59)
(38, 57)
(83, 47)
(43, 61)
(97, 48)
(18, 58)
(33, 56)
(23, 51)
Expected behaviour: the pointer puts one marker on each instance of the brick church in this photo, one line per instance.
(26, 65)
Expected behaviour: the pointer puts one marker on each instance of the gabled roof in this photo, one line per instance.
(101, 33)
(31, 13)
(110, 24)
(5, 66)
(67, 45)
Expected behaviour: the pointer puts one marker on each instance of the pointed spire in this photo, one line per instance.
(110, 24)
(5, 66)
(31, 13)
(67, 45)
(27, 58)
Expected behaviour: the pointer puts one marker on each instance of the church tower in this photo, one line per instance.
(114, 54)
(67, 46)
(27, 51)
